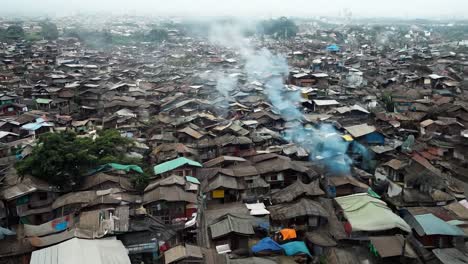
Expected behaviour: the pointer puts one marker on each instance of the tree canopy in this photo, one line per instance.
(49, 31)
(14, 32)
(157, 35)
(281, 28)
(62, 159)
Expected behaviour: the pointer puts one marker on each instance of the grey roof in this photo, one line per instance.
(451, 255)
(181, 252)
(295, 190)
(222, 159)
(172, 193)
(26, 186)
(360, 130)
(223, 181)
(231, 224)
(302, 207)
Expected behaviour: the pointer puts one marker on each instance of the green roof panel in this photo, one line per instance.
(43, 101)
(432, 225)
(192, 179)
(174, 164)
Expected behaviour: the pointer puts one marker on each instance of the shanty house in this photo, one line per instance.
(366, 134)
(232, 230)
(359, 211)
(344, 185)
(223, 186)
(172, 199)
(30, 200)
(321, 106)
(395, 170)
(302, 212)
(434, 232)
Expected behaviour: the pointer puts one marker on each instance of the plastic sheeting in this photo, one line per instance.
(117, 166)
(78, 251)
(288, 233)
(295, 248)
(266, 244)
(366, 213)
(6, 232)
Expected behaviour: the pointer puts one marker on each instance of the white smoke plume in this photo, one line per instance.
(323, 142)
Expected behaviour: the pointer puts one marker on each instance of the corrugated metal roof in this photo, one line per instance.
(171, 180)
(297, 189)
(78, 251)
(302, 207)
(181, 252)
(391, 246)
(451, 255)
(172, 194)
(26, 186)
(174, 164)
(43, 101)
(429, 224)
(231, 224)
(326, 102)
(360, 130)
(360, 208)
(192, 179)
(221, 159)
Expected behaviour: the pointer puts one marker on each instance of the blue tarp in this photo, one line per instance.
(61, 226)
(375, 138)
(35, 126)
(266, 244)
(295, 248)
(6, 232)
(333, 47)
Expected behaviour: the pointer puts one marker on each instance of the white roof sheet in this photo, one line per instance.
(257, 209)
(78, 251)
(355, 107)
(435, 76)
(319, 75)
(360, 130)
(326, 102)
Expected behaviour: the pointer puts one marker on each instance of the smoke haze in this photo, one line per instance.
(262, 8)
(324, 143)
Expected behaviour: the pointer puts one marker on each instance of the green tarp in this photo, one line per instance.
(117, 166)
(43, 101)
(367, 213)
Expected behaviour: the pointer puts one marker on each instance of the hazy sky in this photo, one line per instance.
(368, 8)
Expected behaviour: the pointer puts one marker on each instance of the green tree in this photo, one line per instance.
(62, 159)
(140, 181)
(49, 31)
(281, 28)
(15, 32)
(388, 102)
(110, 146)
(107, 37)
(157, 35)
(59, 158)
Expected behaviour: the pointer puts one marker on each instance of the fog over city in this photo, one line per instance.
(365, 8)
(234, 131)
